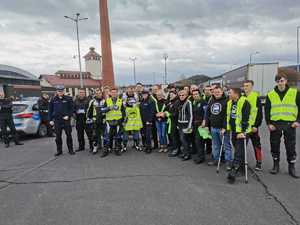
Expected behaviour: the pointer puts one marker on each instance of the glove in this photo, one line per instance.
(51, 123)
(115, 107)
(66, 117)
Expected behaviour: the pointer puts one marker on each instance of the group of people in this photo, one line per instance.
(211, 126)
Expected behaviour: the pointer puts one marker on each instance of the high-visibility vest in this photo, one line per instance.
(96, 105)
(286, 109)
(239, 115)
(134, 121)
(114, 114)
(252, 99)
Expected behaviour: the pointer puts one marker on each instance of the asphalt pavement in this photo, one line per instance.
(138, 189)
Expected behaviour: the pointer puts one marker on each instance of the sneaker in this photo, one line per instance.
(212, 163)
(124, 149)
(258, 166)
(161, 149)
(228, 166)
(95, 150)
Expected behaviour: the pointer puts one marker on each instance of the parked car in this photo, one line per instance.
(27, 119)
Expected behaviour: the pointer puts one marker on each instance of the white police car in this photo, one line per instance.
(27, 119)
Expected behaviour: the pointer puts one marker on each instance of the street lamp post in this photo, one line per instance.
(76, 20)
(165, 56)
(251, 55)
(298, 57)
(133, 59)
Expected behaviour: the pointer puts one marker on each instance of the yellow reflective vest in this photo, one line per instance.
(239, 115)
(252, 99)
(285, 109)
(114, 114)
(133, 119)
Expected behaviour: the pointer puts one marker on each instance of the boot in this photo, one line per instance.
(292, 171)
(199, 160)
(118, 152)
(6, 145)
(275, 169)
(95, 150)
(58, 154)
(71, 152)
(104, 153)
(258, 166)
(148, 150)
(19, 143)
(173, 153)
(231, 178)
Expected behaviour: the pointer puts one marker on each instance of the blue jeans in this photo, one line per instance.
(161, 131)
(217, 142)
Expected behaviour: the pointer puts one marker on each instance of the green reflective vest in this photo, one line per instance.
(286, 109)
(114, 114)
(134, 121)
(239, 114)
(252, 99)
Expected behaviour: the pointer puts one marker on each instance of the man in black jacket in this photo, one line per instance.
(60, 114)
(147, 110)
(96, 113)
(199, 108)
(43, 104)
(83, 124)
(282, 113)
(216, 120)
(6, 120)
(172, 114)
(185, 123)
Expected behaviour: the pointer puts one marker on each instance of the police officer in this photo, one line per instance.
(282, 113)
(96, 113)
(255, 120)
(6, 120)
(43, 105)
(238, 113)
(83, 125)
(60, 113)
(147, 109)
(114, 119)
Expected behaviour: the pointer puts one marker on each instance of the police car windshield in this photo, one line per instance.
(18, 108)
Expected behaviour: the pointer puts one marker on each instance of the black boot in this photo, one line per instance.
(275, 169)
(104, 153)
(19, 143)
(292, 171)
(6, 145)
(232, 175)
(58, 153)
(173, 153)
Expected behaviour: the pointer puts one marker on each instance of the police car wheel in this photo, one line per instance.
(42, 131)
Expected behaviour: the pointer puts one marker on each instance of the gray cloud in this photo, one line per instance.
(200, 36)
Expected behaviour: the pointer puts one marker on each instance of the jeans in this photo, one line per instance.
(135, 135)
(217, 142)
(161, 130)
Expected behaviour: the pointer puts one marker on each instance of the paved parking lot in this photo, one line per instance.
(37, 189)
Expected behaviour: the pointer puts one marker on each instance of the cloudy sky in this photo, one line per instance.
(200, 36)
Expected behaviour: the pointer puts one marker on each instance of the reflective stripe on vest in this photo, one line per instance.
(114, 114)
(286, 109)
(239, 114)
(134, 121)
(252, 99)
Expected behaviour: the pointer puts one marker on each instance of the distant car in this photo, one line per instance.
(27, 118)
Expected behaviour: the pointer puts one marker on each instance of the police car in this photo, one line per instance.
(27, 119)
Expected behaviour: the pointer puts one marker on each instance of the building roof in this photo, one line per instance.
(92, 55)
(11, 72)
(70, 82)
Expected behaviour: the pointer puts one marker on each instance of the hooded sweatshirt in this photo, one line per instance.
(216, 112)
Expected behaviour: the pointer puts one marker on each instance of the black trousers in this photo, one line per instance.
(255, 139)
(45, 120)
(185, 142)
(154, 135)
(59, 126)
(199, 146)
(8, 122)
(82, 128)
(289, 134)
(239, 150)
(146, 133)
(98, 133)
(174, 139)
